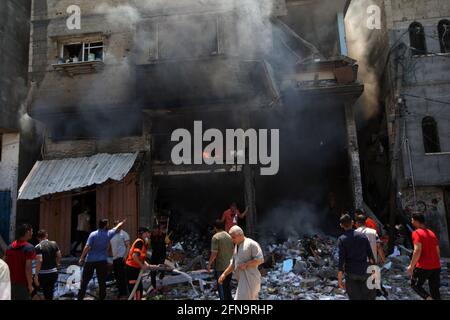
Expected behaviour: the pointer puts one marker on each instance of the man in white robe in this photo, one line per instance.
(247, 257)
(5, 281)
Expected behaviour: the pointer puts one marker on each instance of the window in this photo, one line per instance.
(82, 51)
(430, 135)
(191, 37)
(444, 35)
(417, 39)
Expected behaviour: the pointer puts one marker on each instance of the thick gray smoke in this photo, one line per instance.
(359, 41)
(253, 34)
(252, 38)
(127, 21)
(292, 219)
(252, 28)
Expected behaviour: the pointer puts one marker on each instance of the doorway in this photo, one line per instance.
(83, 218)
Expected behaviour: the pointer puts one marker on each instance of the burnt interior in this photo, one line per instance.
(307, 196)
(100, 124)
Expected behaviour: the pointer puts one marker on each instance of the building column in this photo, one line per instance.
(353, 153)
(250, 199)
(249, 186)
(145, 179)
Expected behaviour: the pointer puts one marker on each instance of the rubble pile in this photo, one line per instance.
(69, 279)
(297, 269)
(189, 253)
(397, 282)
(306, 269)
(191, 241)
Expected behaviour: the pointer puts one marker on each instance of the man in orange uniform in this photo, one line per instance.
(136, 261)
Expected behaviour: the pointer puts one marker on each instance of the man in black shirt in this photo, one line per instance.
(48, 258)
(355, 254)
(159, 251)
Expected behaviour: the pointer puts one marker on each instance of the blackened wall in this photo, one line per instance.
(14, 42)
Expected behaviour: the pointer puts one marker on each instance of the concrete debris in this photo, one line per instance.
(314, 273)
(395, 253)
(288, 265)
(387, 266)
(298, 269)
(177, 247)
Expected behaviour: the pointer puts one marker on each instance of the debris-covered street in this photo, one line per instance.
(202, 150)
(298, 269)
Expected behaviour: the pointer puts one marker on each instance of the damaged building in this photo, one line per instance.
(19, 144)
(111, 93)
(407, 61)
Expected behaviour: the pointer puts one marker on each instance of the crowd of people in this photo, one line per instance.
(232, 253)
(19, 282)
(360, 248)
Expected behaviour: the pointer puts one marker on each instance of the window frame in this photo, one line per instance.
(415, 51)
(431, 142)
(83, 44)
(442, 43)
(158, 55)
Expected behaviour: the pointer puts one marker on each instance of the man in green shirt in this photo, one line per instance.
(222, 248)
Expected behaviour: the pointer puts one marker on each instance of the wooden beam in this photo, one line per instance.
(189, 170)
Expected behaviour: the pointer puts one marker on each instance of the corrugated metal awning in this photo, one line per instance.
(52, 176)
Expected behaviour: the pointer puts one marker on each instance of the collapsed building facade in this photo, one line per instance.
(111, 93)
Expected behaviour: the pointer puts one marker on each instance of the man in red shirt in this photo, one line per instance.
(425, 262)
(231, 216)
(19, 256)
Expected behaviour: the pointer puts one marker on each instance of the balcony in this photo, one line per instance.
(75, 68)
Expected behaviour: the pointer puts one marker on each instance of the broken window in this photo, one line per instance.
(444, 35)
(430, 135)
(82, 51)
(417, 39)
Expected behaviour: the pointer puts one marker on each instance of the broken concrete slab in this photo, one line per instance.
(310, 282)
(300, 266)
